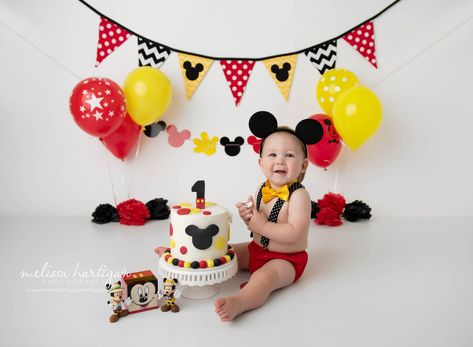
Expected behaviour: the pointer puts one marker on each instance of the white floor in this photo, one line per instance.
(386, 282)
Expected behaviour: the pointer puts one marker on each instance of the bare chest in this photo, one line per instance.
(267, 208)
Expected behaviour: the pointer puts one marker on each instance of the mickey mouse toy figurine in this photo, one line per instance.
(116, 301)
(169, 294)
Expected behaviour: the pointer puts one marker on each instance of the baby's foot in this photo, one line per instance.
(228, 308)
(160, 250)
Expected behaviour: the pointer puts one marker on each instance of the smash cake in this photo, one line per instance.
(199, 234)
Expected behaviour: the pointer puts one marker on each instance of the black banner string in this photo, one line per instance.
(240, 58)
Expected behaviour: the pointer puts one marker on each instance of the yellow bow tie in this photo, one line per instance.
(269, 193)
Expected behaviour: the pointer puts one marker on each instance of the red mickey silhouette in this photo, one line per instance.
(176, 138)
(255, 142)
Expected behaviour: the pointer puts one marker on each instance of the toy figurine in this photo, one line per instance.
(169, 293)
(116, 302)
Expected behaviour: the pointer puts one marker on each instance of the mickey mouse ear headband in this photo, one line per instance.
(263, 123)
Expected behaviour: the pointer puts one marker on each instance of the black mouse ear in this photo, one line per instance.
(262, 124)
(224, 141)
(213, 229)
(192, 230)
(199, 67)
(186, 65)
(309, 131)
(239, 140)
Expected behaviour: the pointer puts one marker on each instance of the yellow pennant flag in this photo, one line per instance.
(193, 71)
(282, 70)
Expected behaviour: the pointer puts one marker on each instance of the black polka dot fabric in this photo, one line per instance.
(273, 215)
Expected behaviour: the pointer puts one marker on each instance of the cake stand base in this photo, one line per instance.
(199, 292)
(199, 283)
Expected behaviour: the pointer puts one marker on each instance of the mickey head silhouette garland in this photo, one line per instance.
(261, 124)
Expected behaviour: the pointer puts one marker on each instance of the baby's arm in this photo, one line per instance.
(297, 221)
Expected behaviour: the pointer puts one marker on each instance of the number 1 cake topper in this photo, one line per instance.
(199, 188)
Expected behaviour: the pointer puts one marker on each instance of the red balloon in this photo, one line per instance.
(123, 140)
(98, 106)
(324, 152)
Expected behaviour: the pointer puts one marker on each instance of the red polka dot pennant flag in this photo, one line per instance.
(362, 39)
(111, 36)
(237, 73)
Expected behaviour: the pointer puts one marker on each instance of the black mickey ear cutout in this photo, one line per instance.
(224, 141)
(309, 131)
(262, 124)
(213, 229)
(152, 130)
(239, 140)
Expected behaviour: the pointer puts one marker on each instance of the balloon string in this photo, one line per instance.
(133, 164)
(109, 165)
(341, 172)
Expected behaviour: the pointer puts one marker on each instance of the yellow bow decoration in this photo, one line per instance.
(269, 193)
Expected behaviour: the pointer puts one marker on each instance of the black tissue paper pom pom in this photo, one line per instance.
(158, 208)
(356, 211)
(314, 210)
(105, 213)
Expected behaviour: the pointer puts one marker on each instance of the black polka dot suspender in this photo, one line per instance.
(273, 215)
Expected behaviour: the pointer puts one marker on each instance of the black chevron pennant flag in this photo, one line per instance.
(324, 56)
(151, 53)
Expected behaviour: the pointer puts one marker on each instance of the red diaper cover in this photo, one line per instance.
(260, 256)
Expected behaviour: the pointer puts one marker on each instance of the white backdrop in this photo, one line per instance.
(419, 163)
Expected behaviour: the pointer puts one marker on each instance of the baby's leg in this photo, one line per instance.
(275, 274)
(241, 250)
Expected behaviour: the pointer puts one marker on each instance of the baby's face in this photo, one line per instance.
(282, 160)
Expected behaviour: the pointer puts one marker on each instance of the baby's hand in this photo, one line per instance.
(257, 221)
(245, 209)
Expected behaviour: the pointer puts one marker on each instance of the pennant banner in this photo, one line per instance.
(282, 71)
(237, 73)
(151, 53)
(323, 57)
(193, 70)
(111, 36)
(362, 39)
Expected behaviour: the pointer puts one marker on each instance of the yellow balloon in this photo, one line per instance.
(331, 85)
(148, 94)
(357, 115)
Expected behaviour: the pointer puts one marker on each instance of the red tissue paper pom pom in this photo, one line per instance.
(328, 216)
(132, 212)
(334, 201)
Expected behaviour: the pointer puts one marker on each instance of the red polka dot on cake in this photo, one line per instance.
(183, 211)
(171, 231)
(176, 207)
(207, 213)
(183, 250)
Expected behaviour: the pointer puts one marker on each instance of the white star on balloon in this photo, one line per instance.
(97, 115)
(94, 102)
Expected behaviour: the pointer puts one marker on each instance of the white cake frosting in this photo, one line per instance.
(199, 234)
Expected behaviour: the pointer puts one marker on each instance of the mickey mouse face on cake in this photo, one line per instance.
(202, 238)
